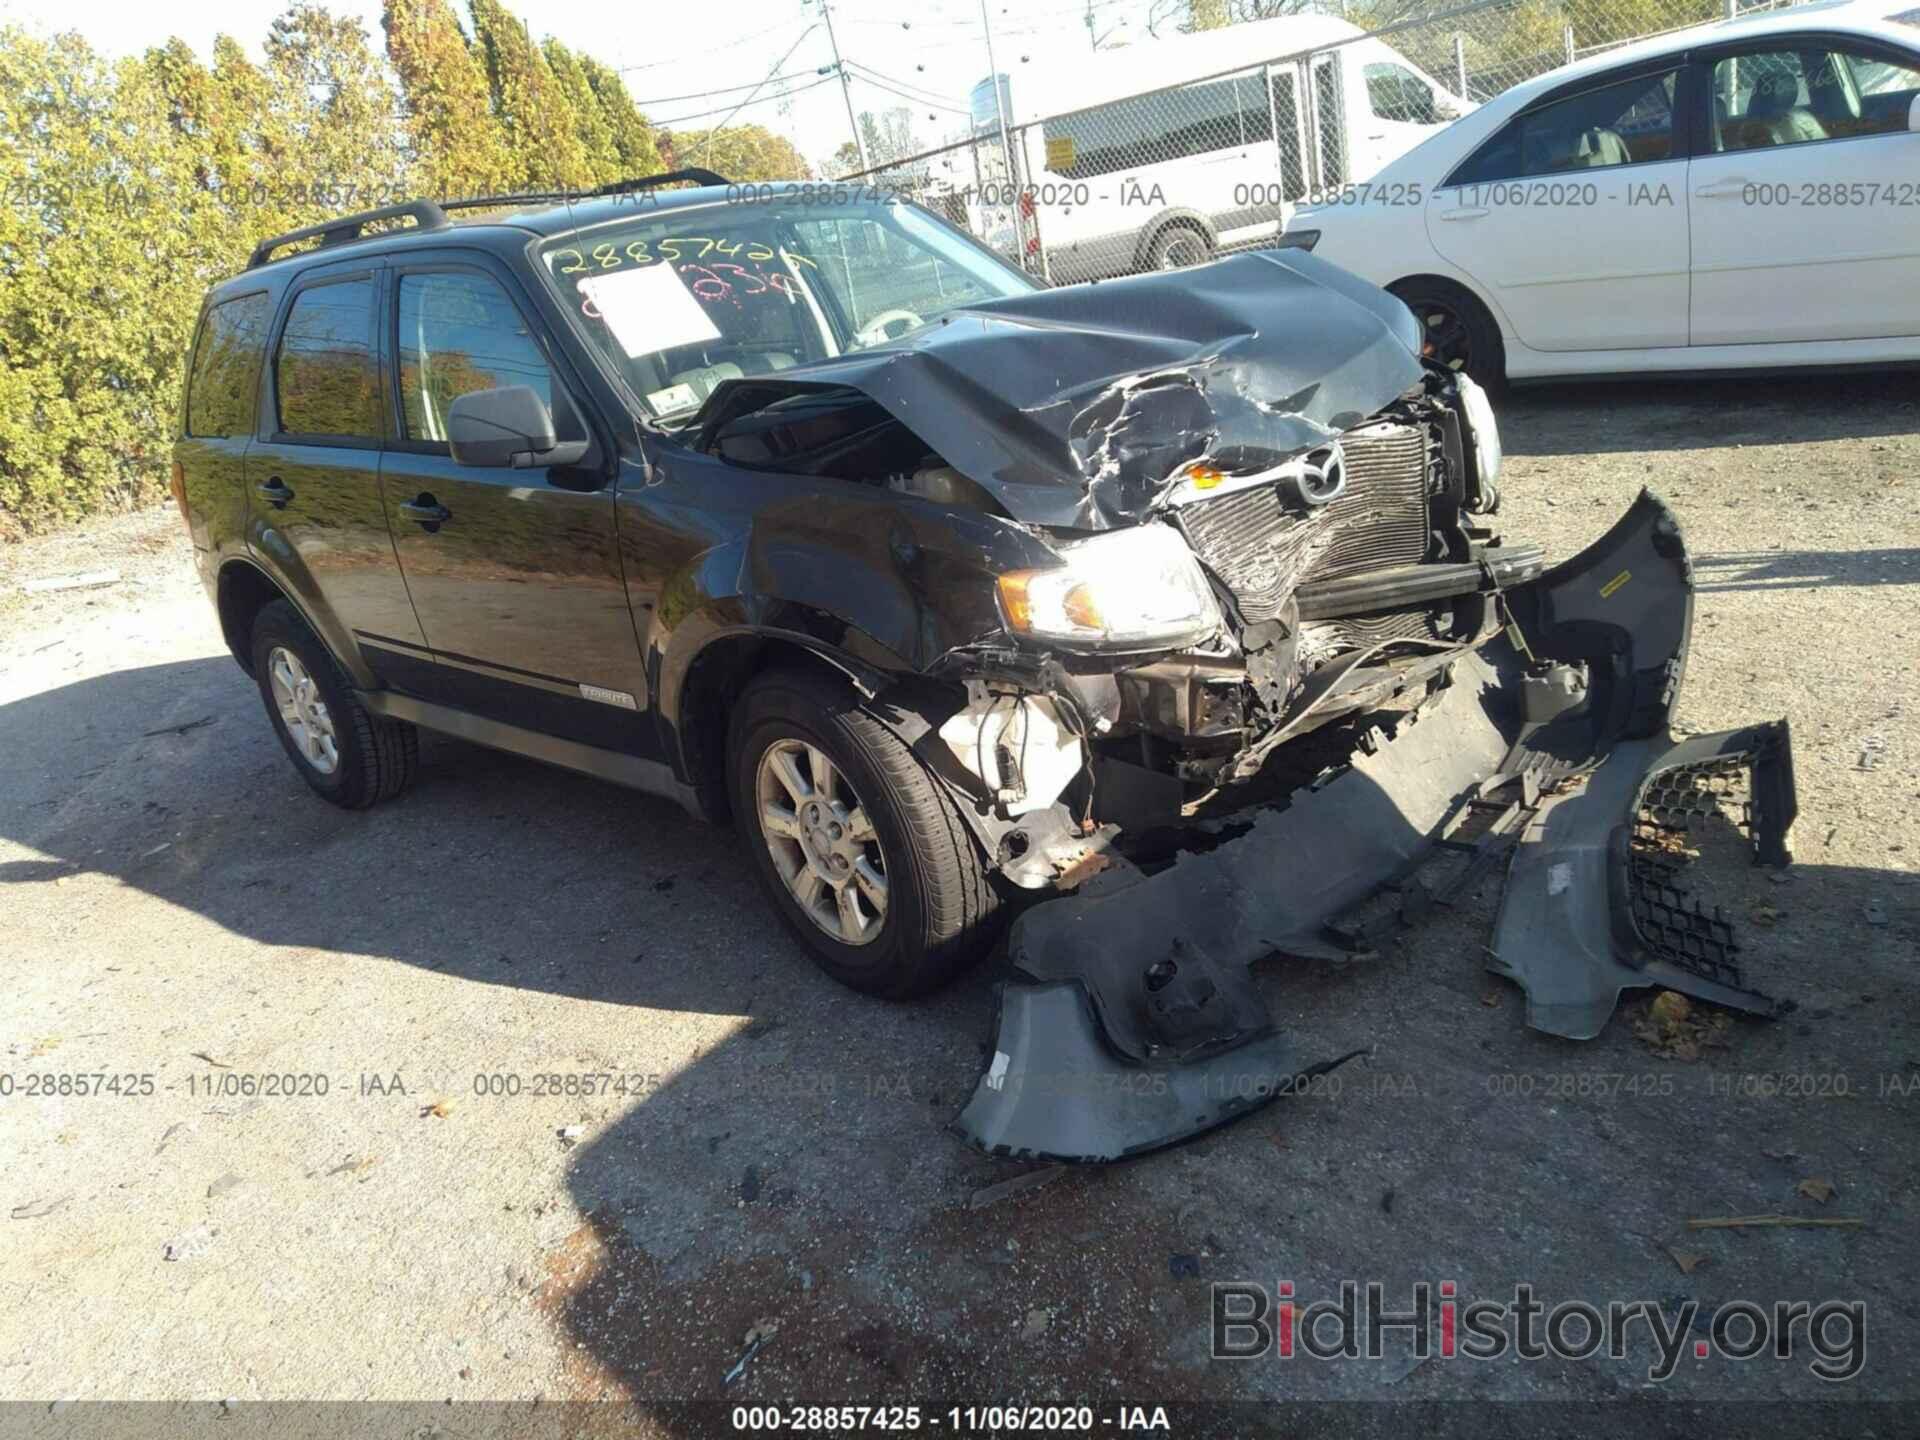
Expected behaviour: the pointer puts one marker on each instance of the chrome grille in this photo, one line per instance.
(1262, 550)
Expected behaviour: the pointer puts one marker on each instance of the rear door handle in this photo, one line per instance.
(274, 491)
(1465, 212)
(428, 511)
(1732, 185)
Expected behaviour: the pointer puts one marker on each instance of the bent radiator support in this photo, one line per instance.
(1131, 1021)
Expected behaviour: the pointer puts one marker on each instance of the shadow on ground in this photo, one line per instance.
(800, 1173)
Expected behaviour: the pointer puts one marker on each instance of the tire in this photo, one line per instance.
(940, 911)
(1459, 327)
(1178, 246)
(346, 754)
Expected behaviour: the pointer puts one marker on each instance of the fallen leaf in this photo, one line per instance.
(1687, 1260)
(1821, 1190)
(439, 1110)
(1491, 999)
(202, 1055)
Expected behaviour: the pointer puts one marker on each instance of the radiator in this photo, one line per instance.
(1262, 550)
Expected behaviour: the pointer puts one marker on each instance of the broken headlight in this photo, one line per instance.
(1486, 431)
(1135, 589)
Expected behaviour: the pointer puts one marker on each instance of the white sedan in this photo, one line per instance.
(1740, 195)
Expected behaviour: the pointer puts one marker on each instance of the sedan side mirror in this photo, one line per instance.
(1913, 114)
(508, 427)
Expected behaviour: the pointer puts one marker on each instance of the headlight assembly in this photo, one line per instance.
(1486, 431)
(1135, 589)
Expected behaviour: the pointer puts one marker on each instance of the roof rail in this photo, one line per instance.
(425, 215)
(562, 197)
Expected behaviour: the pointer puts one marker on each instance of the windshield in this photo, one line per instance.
(682, 301)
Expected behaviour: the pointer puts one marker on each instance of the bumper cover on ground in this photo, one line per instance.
(1132, 1022)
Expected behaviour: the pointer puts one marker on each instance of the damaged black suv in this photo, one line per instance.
(797, 505)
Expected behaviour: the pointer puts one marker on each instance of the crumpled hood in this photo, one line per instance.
(1074, 406)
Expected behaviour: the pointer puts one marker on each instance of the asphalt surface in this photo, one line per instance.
(771, 1151)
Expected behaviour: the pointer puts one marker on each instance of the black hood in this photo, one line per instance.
(1074, 406)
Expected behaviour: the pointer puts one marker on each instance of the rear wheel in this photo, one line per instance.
(1177, 247)
(344, 752)
(1457, 330)
(861, 852)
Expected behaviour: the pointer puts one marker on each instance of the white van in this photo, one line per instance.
(1121, 173)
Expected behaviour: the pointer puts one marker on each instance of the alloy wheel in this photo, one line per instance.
(823, 843)
(302, 710)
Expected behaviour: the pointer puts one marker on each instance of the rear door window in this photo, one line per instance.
(326, 381)
(224, 381)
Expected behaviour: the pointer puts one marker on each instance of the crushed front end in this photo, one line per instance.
(1391, 687)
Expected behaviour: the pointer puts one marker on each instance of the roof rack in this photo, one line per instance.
(344, 231)
(427, 215)
(562, 197)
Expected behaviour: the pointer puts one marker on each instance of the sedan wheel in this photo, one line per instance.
(1445, 336)
(823, 843)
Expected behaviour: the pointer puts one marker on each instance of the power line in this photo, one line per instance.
(710, 50)
(719, 90)
(862, 73)
(730, 113)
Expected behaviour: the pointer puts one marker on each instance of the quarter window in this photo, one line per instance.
(460, 333)
(225, 377)
(1626, 123)
(324, 375)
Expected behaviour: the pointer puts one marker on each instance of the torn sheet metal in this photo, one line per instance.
(1138, 979)
(1075, 407)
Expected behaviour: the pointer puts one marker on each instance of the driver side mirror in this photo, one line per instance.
(507, 428)
(1913, 114)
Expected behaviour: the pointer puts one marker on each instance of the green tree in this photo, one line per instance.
(636, 144)
(540, 132)
(455, 144)
(343, 109)
(741, 152)
(591, 126)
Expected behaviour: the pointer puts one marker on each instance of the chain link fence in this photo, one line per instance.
(1173, 151)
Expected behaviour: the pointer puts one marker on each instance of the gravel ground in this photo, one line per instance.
(178, 906)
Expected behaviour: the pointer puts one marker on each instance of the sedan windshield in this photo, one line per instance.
(684, 300)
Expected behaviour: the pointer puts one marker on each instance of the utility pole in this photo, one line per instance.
(1006, 140)
(846, 90)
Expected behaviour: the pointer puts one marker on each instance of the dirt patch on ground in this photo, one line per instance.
(177, 906)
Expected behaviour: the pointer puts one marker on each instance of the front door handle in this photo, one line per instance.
(1465, 212)
(1732, 185)
(274, 491)
(428, 511)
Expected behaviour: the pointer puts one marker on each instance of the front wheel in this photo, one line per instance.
(861, 852)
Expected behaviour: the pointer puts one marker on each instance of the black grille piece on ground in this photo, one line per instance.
(1262, 549)
(1672, 924)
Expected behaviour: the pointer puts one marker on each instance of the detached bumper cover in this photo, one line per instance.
(1132, 1022)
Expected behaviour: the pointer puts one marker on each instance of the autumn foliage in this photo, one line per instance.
(127, 187)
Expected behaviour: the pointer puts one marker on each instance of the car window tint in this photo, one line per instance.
(1627, 123)
(324, 374)
(1396, 93)
(1805, 94)
(460, 333)
(226, 368)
